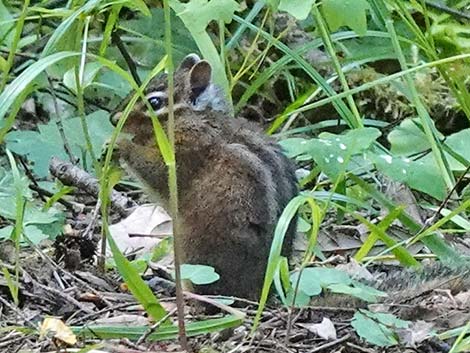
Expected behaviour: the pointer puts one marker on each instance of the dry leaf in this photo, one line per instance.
(148, 219)
(325, 329)
(58, 329)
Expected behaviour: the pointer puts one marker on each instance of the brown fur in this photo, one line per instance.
(233, 182)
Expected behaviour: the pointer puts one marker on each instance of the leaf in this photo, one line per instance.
(459, 143)
(91, 70)
(148, 47)
(6, 24)
(325, 329)
(59, 330)
(359, 290)
(162, 332)
(3, 64)
(138, 5)
(136, 284)
(350, 13)
(333, 153)
(295, 147)
(61, 35)
(19, 84)
(301, 299)
(300, 9)
(199, 13)
(314, 279)
(199, 274)
(378, 328)
(408, 138)
(40, 146)
(302, 225)
(390, 320)
(422, 174)
(372, 331)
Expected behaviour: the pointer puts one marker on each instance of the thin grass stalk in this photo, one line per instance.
(436, 147)
(377, 82)
(426, 43)
(79, 75)
(355, 119)
(172, 182)
(18, 229)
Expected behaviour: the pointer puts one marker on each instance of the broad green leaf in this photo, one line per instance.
(273, 4)
(389, 320)
(407, 138)
(301, 299)
(422, 174)
(459, 143)
(333, 153)
(148, 48)
(34, 234)
(300, 9)
(6, 232)
(199, 274)
(138, 5)
(313, 280)
(199, 13)
(6, 24)
(373, 332)
(350, 13)
(195, 15)
(90, 72)
(295, 147)
(309, 285)
(39, 146)
(38, 224)
(358, 290)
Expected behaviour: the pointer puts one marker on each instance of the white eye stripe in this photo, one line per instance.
(156, 94)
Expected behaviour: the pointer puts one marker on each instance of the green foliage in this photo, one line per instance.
(199, 274)
(163, 333)
(146, 38)
(37, 224)
(333, 152)
(341, 167)
(300, 9)
(196, 15)
(39, 146)
(91, 71)
(314, 280)
(350, 13)
(6, 25)
(378, 328)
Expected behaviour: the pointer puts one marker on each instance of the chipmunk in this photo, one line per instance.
(233, 181)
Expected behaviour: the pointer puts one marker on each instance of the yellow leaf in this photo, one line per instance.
(58, 329)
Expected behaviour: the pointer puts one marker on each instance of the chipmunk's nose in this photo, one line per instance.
(115, 118)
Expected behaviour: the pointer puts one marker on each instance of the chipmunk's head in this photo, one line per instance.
(193, 92)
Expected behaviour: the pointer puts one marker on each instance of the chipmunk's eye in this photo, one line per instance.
(155, 102)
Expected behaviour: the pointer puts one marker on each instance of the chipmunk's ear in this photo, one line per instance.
(199, 78)
(189, 61)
